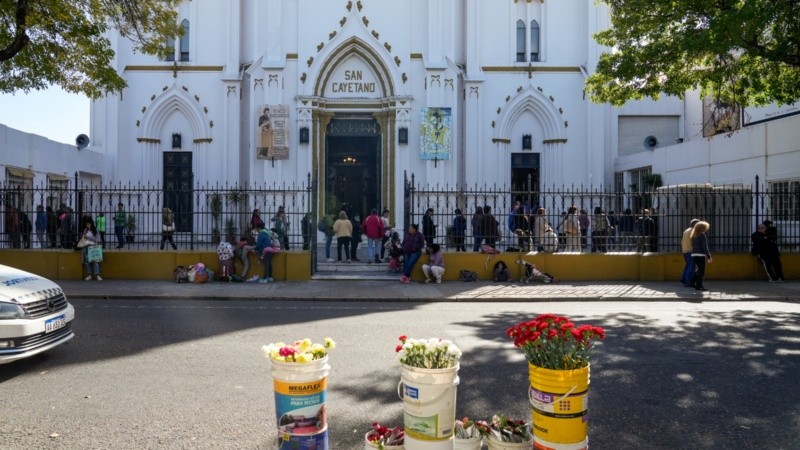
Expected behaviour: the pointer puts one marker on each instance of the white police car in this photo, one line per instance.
(35, 315)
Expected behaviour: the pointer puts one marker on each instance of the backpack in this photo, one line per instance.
(467, 275)
(181, 274)
(322, 226)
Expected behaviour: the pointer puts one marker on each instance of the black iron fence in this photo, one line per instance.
(205, 215)
(40, 217)
(732, 210)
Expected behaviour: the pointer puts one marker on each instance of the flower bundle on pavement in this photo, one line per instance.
(382, 435)
(302, 351)
(554, 342)
(466, 429)
(427, 353)
(505, 429)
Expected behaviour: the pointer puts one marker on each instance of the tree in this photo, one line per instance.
(44, 42)
(741, 52)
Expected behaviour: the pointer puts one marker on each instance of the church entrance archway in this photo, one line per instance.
(353, 164)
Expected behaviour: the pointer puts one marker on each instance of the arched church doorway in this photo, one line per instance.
(178, 182)
(353, 165)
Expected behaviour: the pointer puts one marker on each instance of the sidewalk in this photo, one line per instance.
(388, 291)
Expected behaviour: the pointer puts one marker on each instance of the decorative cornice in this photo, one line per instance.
(416, 56)
(554, 141)
(202, 140)
(531, 69)
(171, 68)
(501, 140)
(148, 140)
(291, 56)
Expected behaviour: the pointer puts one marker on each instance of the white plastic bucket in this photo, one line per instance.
(468, 444)
(495, 444)
(429, 404)
(300, 395)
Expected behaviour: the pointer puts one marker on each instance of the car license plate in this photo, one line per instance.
(55, 323)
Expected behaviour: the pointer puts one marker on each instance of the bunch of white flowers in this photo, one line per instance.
(428, 353)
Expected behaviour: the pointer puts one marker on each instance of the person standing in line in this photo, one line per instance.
(584, 221)
(387, 233)
(52, 227)
(626, 235)
(477, 228)
(645, 229)
(428, 227)
(255, 219)
(100, 222)
(490, 224)
(435, 267)
(263, 240)
(307, 230)
(611, 239)
(700, 253)
(343, 230)
(242, 252)
(600, 228)
(768, 253)
(325, 226)
(167, 227)
(540, 226)
(373, 228)
(355, 239)
(41, 226)
(572, 230)
(26, 227)
(69, 228)
(686, 248)
(13, 227)
(89, 233)
(518, 224)
(459, 230)
(119, 225)
(413, 242)
(281, 227)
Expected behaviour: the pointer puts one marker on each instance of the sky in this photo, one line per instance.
(52, 113)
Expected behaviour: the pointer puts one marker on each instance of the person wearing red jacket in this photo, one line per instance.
(373, 228)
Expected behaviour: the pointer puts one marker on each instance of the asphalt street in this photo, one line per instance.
(188, 373)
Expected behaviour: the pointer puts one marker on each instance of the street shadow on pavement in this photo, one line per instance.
(714, 380)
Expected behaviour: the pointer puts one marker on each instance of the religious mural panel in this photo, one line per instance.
(435, 134)
(273, 132)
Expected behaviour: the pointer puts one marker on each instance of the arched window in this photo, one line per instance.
(520, 41)
(184, 44)
(534, 40)
(170, 46)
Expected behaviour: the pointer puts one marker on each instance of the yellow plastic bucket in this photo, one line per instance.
(560, 403)
(429, 406)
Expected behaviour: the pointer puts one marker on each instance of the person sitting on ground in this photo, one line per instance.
(501, 272)
(395, 250)
(532, 273)
(242, 252)
(549, 241)
(435, 267)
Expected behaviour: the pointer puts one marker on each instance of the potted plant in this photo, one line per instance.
(467, 435)
(215, 205)
(230, 230)
(130, 228)
(503, 433)
(384, 438)
(558, 366)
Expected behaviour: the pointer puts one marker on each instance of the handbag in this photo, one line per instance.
(83, 243)
(94, 254)
(168, 228)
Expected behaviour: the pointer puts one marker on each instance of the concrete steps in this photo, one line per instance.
(354, 271)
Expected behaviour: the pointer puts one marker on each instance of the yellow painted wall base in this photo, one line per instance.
(296, 266)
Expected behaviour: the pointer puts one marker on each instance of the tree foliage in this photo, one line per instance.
(744, 52)
(66, 42)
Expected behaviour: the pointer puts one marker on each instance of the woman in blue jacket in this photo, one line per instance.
(263, 241)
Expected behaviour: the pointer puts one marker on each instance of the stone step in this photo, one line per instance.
(359, 276)
(344, 267)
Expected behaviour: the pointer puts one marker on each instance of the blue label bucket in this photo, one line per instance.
(312, 441)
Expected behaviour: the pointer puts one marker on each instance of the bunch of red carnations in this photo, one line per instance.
(554, 342)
